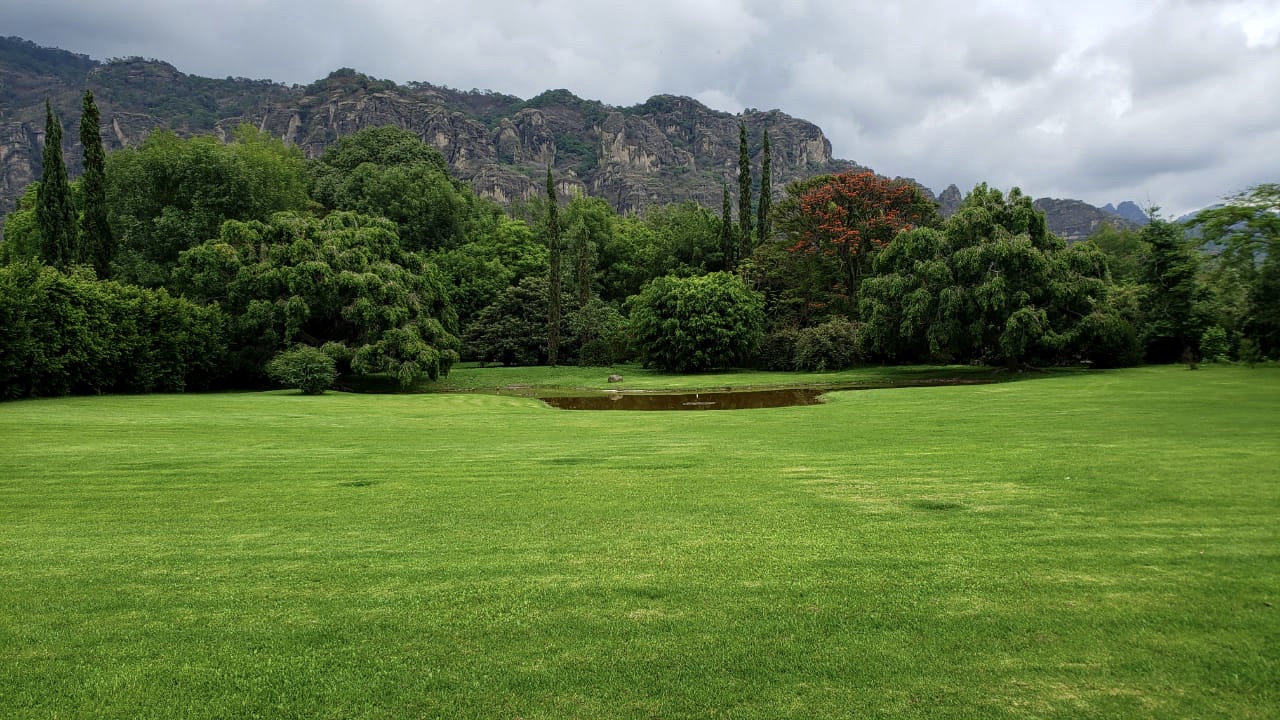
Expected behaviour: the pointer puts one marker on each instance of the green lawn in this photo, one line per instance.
(1087, 545)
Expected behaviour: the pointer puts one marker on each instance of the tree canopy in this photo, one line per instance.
(343, 281)
(992, 284)
(693, 324)
(390, 172)
(169, 194)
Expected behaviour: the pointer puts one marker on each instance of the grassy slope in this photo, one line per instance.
(1085, 546)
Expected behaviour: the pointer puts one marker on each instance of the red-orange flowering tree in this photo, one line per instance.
(854, 214)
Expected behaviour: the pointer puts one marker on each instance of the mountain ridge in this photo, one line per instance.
(668, 148)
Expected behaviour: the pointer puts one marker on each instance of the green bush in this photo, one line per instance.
(1250, 353)
(62, 334)
(1214, 346)
(832, 345)
(693, 324)
(513, 329)
(1107, 340)
(598, 352)
(599, 332)
(306, 368)
(778, 350)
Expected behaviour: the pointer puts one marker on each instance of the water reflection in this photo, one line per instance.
(729, 400)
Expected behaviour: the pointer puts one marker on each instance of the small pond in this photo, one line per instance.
(727, 399)
(722, 400)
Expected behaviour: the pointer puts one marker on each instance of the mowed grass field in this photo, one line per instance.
(1096, 545)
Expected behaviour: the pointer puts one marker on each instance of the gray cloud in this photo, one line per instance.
(1170, 101)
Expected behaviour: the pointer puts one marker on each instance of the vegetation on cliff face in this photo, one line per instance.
(665, 150)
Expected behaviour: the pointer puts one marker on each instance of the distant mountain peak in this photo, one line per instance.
(1128, 210)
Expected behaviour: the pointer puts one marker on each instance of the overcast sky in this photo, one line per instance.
(1167, 102)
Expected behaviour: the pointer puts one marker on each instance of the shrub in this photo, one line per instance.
(1214, 345)
(598, 352)
(1250, 354)
(1107, 340)
(306, 368)
(778, 350)
(832, 345)
(692, 324)
(63, 334)
(599, 332)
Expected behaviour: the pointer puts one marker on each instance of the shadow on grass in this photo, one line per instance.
(937, 505)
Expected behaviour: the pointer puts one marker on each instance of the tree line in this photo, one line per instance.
(191, 263)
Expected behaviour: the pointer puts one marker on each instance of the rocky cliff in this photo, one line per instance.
(664, 150)
(1074, 220)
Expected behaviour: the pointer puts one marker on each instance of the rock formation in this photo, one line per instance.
(666, 149)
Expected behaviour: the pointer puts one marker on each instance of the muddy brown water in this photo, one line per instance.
(740, 400)
(724, 399)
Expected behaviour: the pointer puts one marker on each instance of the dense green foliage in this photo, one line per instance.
(512, 330)
(991, 285)
(488, 264)
(1173, 320)
(554, 295)
(744, 199)
(1263, 323)
(1242, 275)
(390, 172)
(385, 260)
(70, 334)
(728, 246)
(342, 279)
(686, 238)
(21, 233)
(833, 345)
(764, 226)
(990, 552)
(694, 324)
(170, 194)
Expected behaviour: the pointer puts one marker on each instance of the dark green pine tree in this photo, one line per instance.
(1173, 319)
(55, 216)
(728, 248)
(97, 245)
(744, 192)
(763, 229)
(1263, 323)
(553, 243)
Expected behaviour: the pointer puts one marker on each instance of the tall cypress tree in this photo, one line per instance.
(763, 229)
(553, 242)
(744, 189)
(55, 216)
(97, 246)
(727, 246)
(582, 254)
